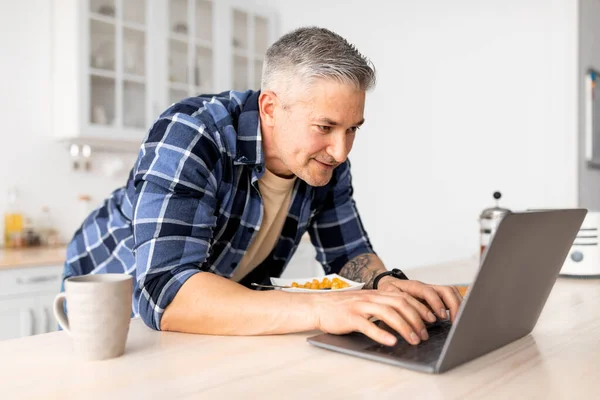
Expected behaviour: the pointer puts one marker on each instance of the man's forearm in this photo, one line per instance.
(210, 304)
(363, 268)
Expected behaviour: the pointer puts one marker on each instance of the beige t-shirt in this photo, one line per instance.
(276, 193)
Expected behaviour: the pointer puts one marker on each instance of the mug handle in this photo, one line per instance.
(59, 311)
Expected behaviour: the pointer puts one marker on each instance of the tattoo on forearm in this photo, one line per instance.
(358, 270)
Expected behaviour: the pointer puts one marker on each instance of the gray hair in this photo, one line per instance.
(316, 53)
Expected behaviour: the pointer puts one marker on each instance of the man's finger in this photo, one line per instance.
(396, 321)
(371, 330)
(435, 301)
(421, 307)
(458, 294)
(413, 310)
(449, 297)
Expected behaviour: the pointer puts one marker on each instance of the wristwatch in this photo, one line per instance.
(396, 273)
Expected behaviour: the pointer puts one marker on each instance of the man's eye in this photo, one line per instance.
(353, 129)
(324, 128)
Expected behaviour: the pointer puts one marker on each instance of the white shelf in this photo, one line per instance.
(206, 44)
(104, 73)
(134, 78)
(102, 18)
(134, 26)
(179, 86)
(203, 90)
(179, 37)
(111, 125)
(103, 139)
(240, 52)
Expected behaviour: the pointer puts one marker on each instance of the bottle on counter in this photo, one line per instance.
(47, 230)
(13, 221)
(31, 238)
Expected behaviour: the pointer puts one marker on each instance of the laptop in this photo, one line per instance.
(503, 304)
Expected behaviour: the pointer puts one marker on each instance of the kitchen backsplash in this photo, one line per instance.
(50, 204)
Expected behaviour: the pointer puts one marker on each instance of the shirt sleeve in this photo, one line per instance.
(336, 230)
(174, 210)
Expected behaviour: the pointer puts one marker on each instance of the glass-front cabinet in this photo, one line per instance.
(117, 64)
(190, 48)
(216, 45)
(118, 79)
(250, 39)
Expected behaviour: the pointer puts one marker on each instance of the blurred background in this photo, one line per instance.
(472, 97)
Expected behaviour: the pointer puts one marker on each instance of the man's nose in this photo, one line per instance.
(337, 148)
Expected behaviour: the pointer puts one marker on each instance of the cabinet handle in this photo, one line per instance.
(47, 320)
(37, 279)
(27, 327)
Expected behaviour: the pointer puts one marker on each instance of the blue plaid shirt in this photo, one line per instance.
(192, 204)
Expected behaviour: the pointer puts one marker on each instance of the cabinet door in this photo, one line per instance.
(190, 49)
(214, 46)
(17, 317)
(16, 282)
(45, 320)
(117, 79)
(252, 32)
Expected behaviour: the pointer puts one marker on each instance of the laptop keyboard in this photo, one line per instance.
(427, 351)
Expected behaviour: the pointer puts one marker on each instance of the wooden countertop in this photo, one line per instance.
(32, 257)
(559, 360)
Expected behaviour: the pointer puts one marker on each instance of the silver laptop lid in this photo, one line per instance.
(513, 283)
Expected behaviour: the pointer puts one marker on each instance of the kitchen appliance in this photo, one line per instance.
(583, 259)
(488, 222)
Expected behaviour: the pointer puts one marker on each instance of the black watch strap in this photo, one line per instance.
(396, 273)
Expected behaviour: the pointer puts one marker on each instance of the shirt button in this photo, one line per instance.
(250, 230)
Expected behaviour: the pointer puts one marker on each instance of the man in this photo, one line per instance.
(224, 188)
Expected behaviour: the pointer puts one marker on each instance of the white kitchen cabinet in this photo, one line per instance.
(118, 63)
(212, 46)
(190, 50)
(45, 313)
(102, 71)
(26, 300)
(17, 317)
(252, 32)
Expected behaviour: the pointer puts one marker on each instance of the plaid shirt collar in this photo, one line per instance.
(249, 137)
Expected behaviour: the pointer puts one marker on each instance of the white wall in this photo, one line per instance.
(29, 158)
(472, 97)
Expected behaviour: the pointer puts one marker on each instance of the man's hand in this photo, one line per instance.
(401, 304)
(347, 312)
(438, 298)
(366, 267)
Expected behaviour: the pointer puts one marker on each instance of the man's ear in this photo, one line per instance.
(267, 102)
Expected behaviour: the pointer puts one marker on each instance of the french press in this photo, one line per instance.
(488, 222)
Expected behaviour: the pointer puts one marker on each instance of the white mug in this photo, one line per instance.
(99, 312)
